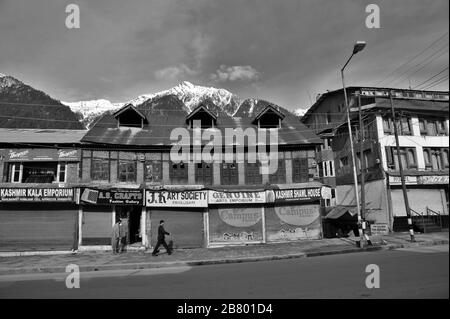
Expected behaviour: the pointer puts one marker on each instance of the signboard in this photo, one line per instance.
(421, 180)
(379, 229)
(40, 154)
(285, 195)
(36, 194)
(216, 197)
(396, 180)
(176, 198)
(433, 179)
(293, 222)
(111, 196)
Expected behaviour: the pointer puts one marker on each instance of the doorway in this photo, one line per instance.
(131, 216)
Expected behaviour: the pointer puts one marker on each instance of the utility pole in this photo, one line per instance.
(400, 166)
(363, 171)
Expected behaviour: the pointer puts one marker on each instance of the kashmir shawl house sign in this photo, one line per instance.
(36, 194)
(300, 194)
(176, 198)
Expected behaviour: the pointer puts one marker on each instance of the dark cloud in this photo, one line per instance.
(127, 48)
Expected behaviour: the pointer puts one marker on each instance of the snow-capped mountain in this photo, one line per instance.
(92, 107)
(192, 95)
(300, 112)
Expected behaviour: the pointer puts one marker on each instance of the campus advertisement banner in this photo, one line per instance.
(166, 198)
(242, 197)
(37, 195)
(235, 225)
(293, 222)
(38, 154)
(111, 196)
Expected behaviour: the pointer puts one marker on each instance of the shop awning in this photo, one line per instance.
(340, 211)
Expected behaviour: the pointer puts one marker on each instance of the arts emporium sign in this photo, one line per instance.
(242, 197)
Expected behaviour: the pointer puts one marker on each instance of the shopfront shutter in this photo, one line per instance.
(185, 226)
(28, 227)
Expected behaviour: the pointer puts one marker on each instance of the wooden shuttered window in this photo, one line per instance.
(300, 170)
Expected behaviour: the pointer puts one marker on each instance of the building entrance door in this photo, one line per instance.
(131, 220)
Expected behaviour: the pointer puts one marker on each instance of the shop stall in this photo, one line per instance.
(235, 217)
(37, 218)
(183, 212)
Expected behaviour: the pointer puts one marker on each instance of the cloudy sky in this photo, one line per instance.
(284, 51)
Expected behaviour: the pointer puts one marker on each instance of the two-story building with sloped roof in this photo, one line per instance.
(142, 164)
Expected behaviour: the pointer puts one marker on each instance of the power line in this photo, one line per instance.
(442, 71)
(438, 82)
(423, 66)
(411, 59)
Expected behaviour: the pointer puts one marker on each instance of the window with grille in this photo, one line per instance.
(100, 169)
(153, 171)
(178, 173)
(435, 158)
(403, 125)
(279, 177)
(62, 172)
(230, 174)
(300, 170)
(252, 173)
(432, 127)
(203, 173)
(407, 157)
(127, 171)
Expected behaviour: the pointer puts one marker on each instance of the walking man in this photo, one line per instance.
(115, 237)
(161, 240)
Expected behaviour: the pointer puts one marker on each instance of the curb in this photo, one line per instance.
(146, 265)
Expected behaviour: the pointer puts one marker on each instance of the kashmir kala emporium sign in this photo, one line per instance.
(36, 194)
(111, 196)
(166, 198)
(243, 197)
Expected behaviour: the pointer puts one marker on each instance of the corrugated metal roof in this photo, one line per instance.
(166, 115)
(44, 136)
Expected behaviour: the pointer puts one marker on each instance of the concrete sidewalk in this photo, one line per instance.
(96, 261)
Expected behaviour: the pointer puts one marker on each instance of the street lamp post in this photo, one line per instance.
(357, 47)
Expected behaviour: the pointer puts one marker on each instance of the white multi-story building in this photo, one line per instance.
(423, 128)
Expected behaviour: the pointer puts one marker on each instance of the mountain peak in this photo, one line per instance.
(7, 81)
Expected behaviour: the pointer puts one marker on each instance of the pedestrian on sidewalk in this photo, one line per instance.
(161, 239)
(115, 237)
(123, 229)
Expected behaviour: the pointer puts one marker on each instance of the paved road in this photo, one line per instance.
(421, 272)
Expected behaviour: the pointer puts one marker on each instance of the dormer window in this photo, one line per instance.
(129, 116)
(269, 117)
(202, 117)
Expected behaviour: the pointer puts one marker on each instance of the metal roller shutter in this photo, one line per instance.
(97, 225)
(27, 227)
(419, 200)
(186, 226)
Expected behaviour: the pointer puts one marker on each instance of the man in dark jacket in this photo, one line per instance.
(161, 239)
